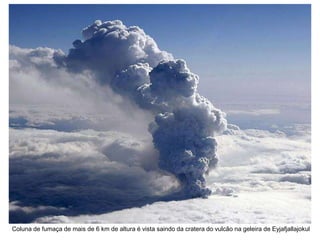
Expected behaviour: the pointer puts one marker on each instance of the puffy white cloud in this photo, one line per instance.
(110, 46)
(259, 160)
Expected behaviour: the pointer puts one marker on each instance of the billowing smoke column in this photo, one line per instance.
(130, 62)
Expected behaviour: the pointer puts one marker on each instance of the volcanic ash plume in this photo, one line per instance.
(131, 64)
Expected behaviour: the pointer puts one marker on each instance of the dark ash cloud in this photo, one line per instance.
(129, 61)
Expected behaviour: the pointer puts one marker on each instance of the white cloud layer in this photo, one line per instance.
(85, 171)
(262, 178)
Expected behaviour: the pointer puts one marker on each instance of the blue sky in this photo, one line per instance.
(242, 53)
